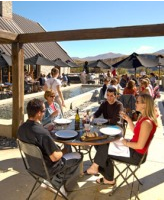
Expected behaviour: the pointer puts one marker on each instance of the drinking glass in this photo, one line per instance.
(121, 114)
(87, 127)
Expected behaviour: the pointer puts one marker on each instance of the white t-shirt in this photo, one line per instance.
(142, 73)
(53, 83)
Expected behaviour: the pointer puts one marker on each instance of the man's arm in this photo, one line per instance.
(56, 155)
(115, 113)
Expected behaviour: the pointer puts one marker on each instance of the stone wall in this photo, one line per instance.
(6, 9)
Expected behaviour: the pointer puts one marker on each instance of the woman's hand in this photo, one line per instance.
(124, 142)
(55, 113)
(125, 116)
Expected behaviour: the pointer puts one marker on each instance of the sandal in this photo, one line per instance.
(101, 182)
(86, 173)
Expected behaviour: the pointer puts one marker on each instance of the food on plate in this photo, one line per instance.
(89, 135)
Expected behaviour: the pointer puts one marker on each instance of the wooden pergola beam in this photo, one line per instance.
(7, 37)
(91, 34)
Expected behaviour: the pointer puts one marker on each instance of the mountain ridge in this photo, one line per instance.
(109, 55)
(100, 56)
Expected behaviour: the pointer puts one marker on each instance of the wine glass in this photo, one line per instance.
(121, 113)
(87, 127)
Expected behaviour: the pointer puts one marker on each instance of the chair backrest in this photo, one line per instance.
(128, 101)
(33, 159)
(146, 152)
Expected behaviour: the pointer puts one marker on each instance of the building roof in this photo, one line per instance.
(19, 24)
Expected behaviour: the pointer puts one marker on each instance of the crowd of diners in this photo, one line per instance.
(42, 112)
(131, 85)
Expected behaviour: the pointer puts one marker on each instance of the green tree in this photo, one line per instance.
(121, 71)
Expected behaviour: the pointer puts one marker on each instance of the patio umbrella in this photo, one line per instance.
(5, 60)
(152, 61)
(99, 64)
(71, 64)
(39, 59)
(59, 63)
(130, 62)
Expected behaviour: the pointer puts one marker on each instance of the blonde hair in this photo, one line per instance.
(150, 107)
(49, 93)
(144, 82)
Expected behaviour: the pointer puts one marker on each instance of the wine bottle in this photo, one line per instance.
(77, 120)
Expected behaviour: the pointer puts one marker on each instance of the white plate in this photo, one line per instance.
(100, 121)
(66, 134)
(111, 130)
(63, 121)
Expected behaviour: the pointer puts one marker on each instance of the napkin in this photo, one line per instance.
(117, 148)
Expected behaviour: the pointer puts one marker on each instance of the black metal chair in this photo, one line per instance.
(29, 153)
(128, 101)
(126, 173)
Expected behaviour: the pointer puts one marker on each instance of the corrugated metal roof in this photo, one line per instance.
(19, 24)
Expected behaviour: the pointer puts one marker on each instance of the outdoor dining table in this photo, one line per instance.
(79, 144)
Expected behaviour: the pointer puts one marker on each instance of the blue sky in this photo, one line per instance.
(70, 15)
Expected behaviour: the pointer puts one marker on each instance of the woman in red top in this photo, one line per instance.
(130, 88)
(143, 133)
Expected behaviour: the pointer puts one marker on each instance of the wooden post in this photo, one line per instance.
(9, 80)
(1, 76)
(17, 87)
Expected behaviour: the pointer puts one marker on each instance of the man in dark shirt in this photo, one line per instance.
(110, 108)
(33, 132)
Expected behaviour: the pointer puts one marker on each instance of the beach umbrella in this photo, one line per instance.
(59, 63)
(99, 64)
(39, 59)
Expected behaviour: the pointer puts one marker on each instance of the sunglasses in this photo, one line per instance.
(137, 102)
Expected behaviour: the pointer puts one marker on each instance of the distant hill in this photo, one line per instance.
(101, 56)
(109, 58)
(159, 52)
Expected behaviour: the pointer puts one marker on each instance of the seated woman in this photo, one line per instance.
(143, 133)
(52, 108)
(144, 87)
(130, 88)
(52, 111)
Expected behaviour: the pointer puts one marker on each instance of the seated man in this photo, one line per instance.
(110, 108)
(33, 132)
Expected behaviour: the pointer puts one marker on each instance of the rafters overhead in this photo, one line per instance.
(91, 34)
(153, 30)
(7, 37)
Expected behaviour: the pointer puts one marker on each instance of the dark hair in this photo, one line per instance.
(34, 106)
(112, 89)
